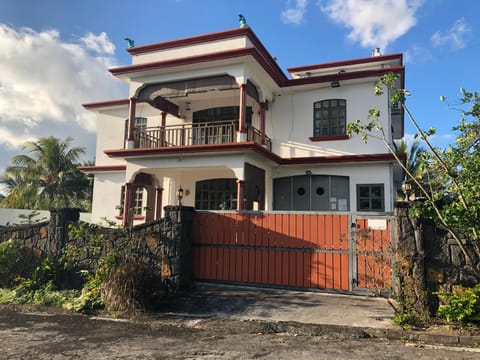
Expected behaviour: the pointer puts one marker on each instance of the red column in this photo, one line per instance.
(162, 128)
(128, 204)
(151, 195)
(131, 119)
(263, 109)
(158, 209)
(240, 194)
(242, 126)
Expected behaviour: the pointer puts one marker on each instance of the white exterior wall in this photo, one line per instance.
(110, 135)
(192, 50)
(290, 121)
(358, 174)
(106, 195)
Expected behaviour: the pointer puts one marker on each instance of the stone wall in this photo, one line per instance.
(166, 243)
(427, 259)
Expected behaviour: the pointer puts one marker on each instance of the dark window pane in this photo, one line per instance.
(364, 204)
(364, 191)
(376, 191)
(377, 204)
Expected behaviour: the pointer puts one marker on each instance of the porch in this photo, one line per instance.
(195, 134)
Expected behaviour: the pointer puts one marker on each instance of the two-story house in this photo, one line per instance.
(216, 115)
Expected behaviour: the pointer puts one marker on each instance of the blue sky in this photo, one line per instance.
(55, 53)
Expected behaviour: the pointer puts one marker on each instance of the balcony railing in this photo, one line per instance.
(195, 134)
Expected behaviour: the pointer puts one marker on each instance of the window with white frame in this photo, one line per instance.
(140, 125)
(329, 117)
(137, 205)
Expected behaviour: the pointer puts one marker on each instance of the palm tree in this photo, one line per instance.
(46, 178)
(414, 155)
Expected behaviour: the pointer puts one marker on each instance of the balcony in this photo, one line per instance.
(224, 132)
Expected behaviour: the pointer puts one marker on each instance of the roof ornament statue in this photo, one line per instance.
(242, 20)
(130, 42)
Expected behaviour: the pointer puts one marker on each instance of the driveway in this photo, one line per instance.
(38, 335)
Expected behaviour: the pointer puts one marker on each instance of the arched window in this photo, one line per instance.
(329, 118)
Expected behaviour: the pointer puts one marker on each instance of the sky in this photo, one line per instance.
(54, 54)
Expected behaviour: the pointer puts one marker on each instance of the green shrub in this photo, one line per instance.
(461, 305)
(10, 257)
(90, 299)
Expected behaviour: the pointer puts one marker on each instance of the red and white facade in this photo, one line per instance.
(217, 116)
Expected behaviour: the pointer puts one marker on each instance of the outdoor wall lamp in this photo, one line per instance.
(406, 188)
(180, 195)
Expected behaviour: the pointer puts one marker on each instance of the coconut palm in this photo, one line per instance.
(414, 155)
(47, 177)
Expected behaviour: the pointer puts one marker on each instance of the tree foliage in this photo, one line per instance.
(46, 177)
(448, 179)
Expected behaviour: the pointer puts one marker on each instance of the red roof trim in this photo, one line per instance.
(387, 157)
(104, 168)
(246, 146)
(221, 35)
(346, 76)
(109, 103)
(261, 54)
(277, 76)
(192, 40)
(176, 150)
(347, 62)
(221, 55)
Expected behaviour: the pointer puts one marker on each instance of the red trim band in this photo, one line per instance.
(135, 217)
(251, 146)
(329, 138)
(347, 63)
(104, 168)
(109, 103)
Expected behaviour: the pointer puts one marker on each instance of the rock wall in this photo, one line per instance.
(166, 243)
(427, 259)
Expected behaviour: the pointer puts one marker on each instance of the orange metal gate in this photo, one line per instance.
(301, 250)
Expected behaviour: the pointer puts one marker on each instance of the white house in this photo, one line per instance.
(215, 115)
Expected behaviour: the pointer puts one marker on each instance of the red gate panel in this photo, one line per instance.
(304, 250)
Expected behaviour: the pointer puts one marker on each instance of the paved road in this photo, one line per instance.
(47, 336)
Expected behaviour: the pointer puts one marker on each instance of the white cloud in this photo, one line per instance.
(417, 55)
(454, 37)
(44, 81)
(373, 23)
(295, 12)
(440, 140)
(98, 43)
